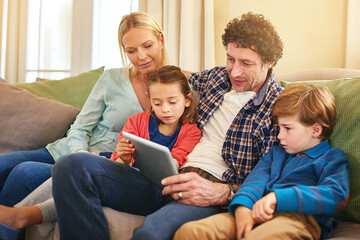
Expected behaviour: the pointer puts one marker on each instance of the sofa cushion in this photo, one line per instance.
(346, 134)
(30, 122)
(72, 90)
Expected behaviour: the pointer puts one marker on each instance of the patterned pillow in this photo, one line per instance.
(346, 134)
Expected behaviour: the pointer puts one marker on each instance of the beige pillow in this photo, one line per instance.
(30, 122)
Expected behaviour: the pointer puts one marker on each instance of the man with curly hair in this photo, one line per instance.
(235, 103)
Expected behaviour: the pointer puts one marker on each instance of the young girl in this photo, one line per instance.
(171, 121)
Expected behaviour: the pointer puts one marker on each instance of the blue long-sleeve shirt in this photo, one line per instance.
(314, 182)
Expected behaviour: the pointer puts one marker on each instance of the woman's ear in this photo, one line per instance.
(317, 130)
(162, 40)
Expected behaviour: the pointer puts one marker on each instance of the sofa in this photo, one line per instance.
(35, 114)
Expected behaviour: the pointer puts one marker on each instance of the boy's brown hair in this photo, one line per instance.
(171, 74)
(310, 103)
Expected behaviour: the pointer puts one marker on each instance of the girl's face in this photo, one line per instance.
(168, 102)
(296, 137)
(143, 49)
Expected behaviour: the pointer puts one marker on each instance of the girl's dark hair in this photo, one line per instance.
(171, 74)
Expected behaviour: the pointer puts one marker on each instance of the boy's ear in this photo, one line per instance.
(317, 130)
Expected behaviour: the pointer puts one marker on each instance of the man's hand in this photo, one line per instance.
(125, 151)
(244, 221)
(195, 190)
(263, 210)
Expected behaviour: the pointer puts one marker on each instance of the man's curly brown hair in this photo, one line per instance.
(253, 31)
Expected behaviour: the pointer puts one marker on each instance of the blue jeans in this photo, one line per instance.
(83, 183)
(21, 172)
(163, 223)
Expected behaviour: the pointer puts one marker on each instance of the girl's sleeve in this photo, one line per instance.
(79, 135)
(328, 197)
(189, 136)
(137, 125)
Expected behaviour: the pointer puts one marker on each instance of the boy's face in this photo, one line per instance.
(296, 137)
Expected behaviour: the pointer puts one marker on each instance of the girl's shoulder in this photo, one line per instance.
(140, 116)
(190, 128)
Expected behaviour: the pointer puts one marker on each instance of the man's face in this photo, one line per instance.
(245, 68)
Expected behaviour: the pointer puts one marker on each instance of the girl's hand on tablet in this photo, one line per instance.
(125, 151)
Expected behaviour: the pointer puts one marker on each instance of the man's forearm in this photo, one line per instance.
(222, 194)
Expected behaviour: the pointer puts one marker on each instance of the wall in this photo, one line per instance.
(313, 31)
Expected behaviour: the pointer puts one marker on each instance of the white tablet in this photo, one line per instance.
(153, 160)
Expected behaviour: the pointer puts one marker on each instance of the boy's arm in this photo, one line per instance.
(244, 221)
(263, 210)
(254, 185)
(328, 197)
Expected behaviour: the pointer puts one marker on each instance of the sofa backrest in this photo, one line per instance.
(318, 74)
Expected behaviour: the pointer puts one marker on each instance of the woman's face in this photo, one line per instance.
(143, 49)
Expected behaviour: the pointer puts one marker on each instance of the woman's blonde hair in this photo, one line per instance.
(140, 20)
(311, 103)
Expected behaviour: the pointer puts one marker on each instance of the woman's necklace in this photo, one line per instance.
(144, 85)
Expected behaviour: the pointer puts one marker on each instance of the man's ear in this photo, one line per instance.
(270, 65)
(317, 130)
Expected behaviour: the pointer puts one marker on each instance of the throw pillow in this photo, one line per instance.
(346, 134)
(72, 90)
(30, 122)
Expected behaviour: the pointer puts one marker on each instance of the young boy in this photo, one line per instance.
(295, 189)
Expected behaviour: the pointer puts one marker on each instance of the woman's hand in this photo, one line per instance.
(125, 151)
(195, 190)
(263, 210)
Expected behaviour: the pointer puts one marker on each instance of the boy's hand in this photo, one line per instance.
(263, 210)
(125, 151)
(244, 221)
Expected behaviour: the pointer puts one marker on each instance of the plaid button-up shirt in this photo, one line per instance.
(251, 133)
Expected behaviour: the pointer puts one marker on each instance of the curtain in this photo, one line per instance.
(189, 30)
(12, 34)
(353, 35)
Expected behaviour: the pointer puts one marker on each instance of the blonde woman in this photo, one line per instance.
(118, 94)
